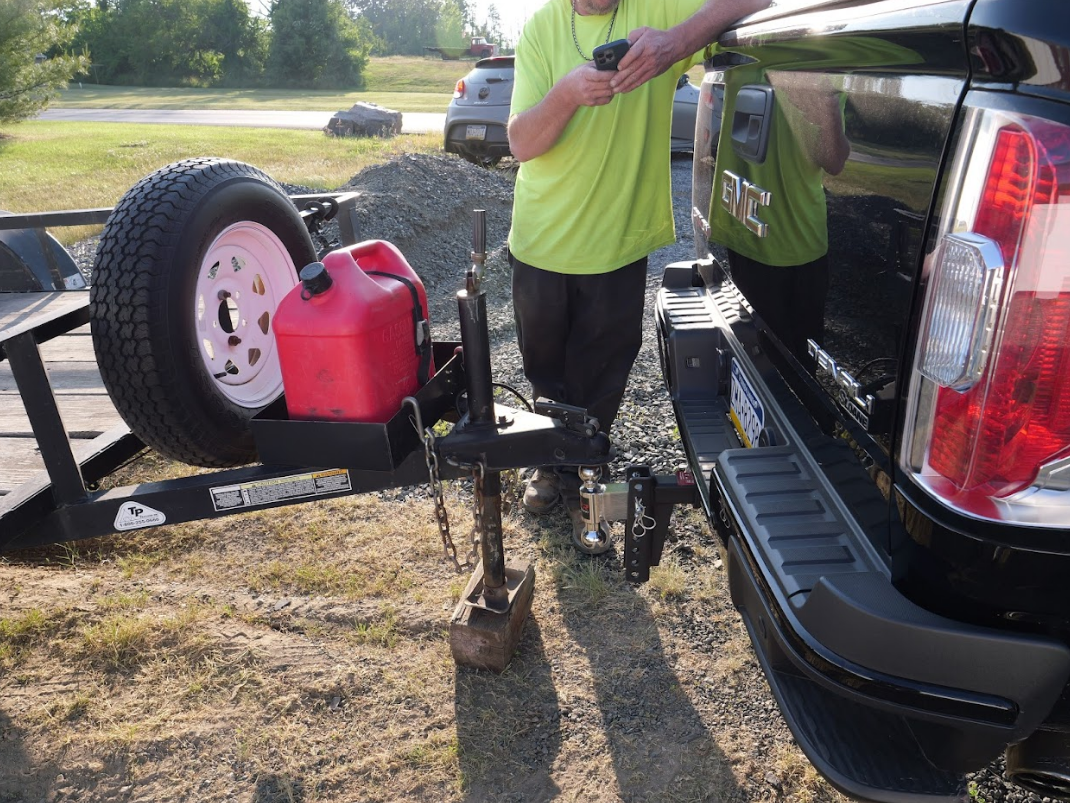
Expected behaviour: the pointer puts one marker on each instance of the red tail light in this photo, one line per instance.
(992, 436)
(458, 89)
(1008, 193)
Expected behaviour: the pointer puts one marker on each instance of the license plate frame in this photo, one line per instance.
(745, 407)
(477, 132)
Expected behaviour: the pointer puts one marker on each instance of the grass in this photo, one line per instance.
(303, 654)
(94, 96)
(669, 580)
(124, 640)
(21, 632)
(60, 165)
(402, 83)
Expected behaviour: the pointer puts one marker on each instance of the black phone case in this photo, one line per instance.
(606, 56)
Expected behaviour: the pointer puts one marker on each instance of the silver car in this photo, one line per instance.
(477, 115)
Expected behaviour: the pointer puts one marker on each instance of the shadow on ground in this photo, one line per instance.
(15, 769)
(509, 726)
(660, 747)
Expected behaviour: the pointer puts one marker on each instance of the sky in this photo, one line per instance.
(514, 13)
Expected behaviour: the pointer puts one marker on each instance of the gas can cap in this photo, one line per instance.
(315, 279)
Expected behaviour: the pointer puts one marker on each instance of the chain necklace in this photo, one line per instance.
(575, 39)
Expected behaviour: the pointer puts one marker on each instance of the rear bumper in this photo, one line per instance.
(494, 143)
(889, 701)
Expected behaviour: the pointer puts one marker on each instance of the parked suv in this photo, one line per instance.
(870, 367)
(479, 112)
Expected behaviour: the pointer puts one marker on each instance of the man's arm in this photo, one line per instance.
(819, 104)
(653, 51)
(534, 131)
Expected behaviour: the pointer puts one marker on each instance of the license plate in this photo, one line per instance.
(475, 132)
(747, 412)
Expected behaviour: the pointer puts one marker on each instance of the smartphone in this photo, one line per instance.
(606, 56)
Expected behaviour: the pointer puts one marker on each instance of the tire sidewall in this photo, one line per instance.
(234, 200)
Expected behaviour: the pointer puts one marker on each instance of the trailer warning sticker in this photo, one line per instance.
(134, 516)
(280, 489)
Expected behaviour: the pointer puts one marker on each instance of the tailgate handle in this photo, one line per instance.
(751, 121)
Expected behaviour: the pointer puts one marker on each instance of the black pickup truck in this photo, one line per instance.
(870, 366)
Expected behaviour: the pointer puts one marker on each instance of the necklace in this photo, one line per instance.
(575, 39)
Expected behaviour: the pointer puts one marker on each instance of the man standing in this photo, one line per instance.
(593, 194)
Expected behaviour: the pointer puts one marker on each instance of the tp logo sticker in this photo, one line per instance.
(134, 516)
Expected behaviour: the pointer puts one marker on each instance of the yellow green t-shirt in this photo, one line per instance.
(601, 197)
(796, 217)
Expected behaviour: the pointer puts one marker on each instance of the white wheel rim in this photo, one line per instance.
(244, 275)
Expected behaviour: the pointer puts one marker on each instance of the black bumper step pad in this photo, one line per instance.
(706, 429)
(866, 752)
(800, 533)
(874, 754)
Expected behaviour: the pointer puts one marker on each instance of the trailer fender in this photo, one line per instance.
(32, 261)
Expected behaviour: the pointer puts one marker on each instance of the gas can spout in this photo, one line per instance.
(474, 278)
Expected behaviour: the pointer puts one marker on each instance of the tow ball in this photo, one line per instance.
(644, 503)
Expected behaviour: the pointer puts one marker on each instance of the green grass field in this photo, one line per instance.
(59, 165)
(402, 83)
(124, 97)
(47, 165)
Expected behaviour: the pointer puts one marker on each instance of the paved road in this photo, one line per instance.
(411, 122)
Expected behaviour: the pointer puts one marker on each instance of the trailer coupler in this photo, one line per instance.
(644, 502)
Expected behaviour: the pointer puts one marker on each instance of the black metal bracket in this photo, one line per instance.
(517, 439)
(651, 500)
(317, 209)
(574, 418)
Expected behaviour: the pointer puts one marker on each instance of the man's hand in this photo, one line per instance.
(533, 132)
(653, 51)
(588, 86)
(651, 54)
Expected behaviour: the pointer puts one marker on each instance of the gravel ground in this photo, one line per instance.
(423, 205)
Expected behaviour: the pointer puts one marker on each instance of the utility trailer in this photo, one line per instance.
(191, 265)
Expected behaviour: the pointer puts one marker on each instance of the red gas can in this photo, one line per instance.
(353, 337)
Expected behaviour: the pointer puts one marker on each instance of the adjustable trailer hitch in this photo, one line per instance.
(644, 502)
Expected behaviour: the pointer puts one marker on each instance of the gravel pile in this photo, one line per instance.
(423, 205)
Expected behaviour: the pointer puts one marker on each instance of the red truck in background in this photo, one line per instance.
(478, 47)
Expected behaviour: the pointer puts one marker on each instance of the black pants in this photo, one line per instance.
(579, 335)
(791, 300)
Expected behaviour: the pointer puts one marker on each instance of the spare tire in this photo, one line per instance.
(191, 266)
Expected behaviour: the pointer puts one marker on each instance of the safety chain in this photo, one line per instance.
(449, 549)
(477, 515)
(641, 523)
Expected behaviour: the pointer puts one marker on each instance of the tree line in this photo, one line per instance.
(314, 44)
